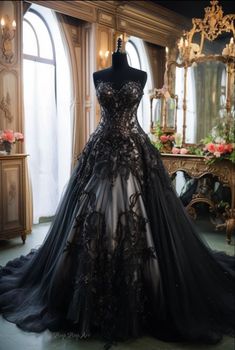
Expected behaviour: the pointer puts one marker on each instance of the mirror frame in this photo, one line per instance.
(210, 27)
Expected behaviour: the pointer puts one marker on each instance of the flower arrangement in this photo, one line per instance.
(219, 144)
(168, 142)
(219, 150)
(8, 138)
(179, 150)
(163, 141)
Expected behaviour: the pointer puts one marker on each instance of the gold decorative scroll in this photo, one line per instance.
(214, 23)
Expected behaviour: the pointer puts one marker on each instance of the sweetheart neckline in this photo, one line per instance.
(122, 86)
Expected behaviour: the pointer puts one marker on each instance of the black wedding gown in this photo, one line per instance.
(121, 258)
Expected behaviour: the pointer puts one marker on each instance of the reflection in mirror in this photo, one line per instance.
(206, 92)
(230, 88)
(188, 102)
(156, 111)
(170, 113)
(232, 83)
(210, 99)
(163, 111)
(205, 99)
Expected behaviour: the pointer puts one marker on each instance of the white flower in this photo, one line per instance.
(217, 154)
(220, 139)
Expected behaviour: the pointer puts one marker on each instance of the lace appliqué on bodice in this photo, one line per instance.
(119, 146)
(119, 106)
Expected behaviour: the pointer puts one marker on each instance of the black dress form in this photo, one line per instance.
(120, 72)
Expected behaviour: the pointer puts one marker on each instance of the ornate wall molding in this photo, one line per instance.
(76, 9)
(5, 105)
(143, 19)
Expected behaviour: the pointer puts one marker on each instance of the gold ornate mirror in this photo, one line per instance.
(201, 76)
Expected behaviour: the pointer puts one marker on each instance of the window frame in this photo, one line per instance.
(38, 58)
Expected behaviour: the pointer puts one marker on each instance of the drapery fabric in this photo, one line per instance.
(41, 136)
(48, 134)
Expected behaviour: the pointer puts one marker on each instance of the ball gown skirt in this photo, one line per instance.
(121, 258)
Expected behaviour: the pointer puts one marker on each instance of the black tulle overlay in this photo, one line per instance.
(121, 257)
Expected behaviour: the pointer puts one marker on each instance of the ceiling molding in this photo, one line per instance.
(143, 19)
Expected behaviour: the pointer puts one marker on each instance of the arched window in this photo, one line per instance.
(133, 55)
(47, 109)
(137, 58)
(38, 44)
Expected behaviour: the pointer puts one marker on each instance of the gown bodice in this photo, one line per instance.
(119, 106)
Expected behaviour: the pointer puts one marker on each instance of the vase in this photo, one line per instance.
(167, 147)
(7, 147)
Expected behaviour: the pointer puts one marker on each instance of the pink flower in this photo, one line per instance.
(217, 154)
(164, 138)
(175, 150)
(183, 151)
(211, 147)
(171, 137)
(19, 136)
(8, 136)
(228, 147)
(220, 148)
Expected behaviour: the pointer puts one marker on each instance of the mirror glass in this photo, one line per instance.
(156, 111)
(202, 95)
(164, 112)
(231, 72)
(170, 113)
(205, 98)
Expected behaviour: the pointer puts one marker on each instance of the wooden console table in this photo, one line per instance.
(12, 196)
(196, 167)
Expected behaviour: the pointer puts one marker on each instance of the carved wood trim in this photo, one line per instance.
(197, 167)
(146, 20)
(106, 18)
(13, 196)
(76, 9)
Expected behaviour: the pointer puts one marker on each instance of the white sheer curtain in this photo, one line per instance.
(48, 121)
(41, 136)
(138, 58)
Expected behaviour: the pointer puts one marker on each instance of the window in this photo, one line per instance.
(47, 109)
(137, 58)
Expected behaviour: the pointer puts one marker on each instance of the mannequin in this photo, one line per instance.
(120, 71)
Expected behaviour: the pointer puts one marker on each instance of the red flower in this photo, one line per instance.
(211, 147)
(228, 148)
(220, 148)
(164, 138)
